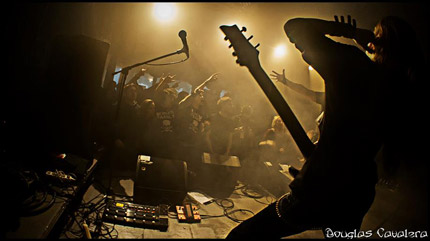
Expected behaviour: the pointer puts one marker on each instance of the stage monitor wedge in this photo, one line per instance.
(160, 181)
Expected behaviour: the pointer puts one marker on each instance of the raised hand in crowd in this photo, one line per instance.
(164, 81)
(198, 90)
(315, 96)
(137, 76)
(211, 78)
(279, 77)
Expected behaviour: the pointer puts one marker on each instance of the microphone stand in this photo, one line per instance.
(123, 76)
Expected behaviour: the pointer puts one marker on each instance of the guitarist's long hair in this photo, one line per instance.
(397, 49)
(397, 46)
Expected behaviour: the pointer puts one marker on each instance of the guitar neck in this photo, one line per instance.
(281, 106)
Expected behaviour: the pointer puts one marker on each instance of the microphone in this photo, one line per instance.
(183, 35)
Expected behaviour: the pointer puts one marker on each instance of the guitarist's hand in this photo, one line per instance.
(279, 77)
(363, 37)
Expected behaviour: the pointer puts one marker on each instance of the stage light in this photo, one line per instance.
(280, 51)
(164, 12)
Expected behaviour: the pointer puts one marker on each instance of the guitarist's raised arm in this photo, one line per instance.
(336, 186)
(308, 35)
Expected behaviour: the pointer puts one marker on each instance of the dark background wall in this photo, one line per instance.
(134, 36)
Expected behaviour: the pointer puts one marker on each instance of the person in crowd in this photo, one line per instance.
(182, 95)
(277, 145)
(277, 136)
(314, 96)
(147, 123)
(336, 185)
(128, 117)
(142, 92)
(244, 136)
(219, 141)
(166, 117)
(245, 144)
(190, 126)
(211, 97)
(126, 138)
(219, 137)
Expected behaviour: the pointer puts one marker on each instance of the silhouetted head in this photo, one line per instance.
(148, 108)
(182, 95)
(246, 112)
(197, 100)
(278, 124)
(225, 105)
(169, 96)
(396, 45)
(130, 93)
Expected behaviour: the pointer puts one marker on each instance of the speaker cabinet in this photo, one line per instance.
(74, 73)
(270, 177)
(160, 181)
(218, 174)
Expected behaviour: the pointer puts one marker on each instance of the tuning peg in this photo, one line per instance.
(225, 38)
(256, 46)
(250, 37)
(230, 46)
(243, 29)
(237, 61)
(234, 54)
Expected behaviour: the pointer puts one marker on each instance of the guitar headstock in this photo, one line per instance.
(246, 53)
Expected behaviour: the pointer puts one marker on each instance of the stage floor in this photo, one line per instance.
(210, 228)
(395, 208)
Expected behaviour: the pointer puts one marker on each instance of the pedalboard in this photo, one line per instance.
(136, 215)
(188, 214)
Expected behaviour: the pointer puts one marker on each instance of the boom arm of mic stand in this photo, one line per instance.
(148, 61)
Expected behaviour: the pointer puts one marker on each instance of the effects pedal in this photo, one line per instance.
(188, 214)
(136, 215)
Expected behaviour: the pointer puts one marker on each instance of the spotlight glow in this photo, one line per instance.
(280, 51)
(164, 12)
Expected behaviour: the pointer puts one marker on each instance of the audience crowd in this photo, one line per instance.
(159, 121)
